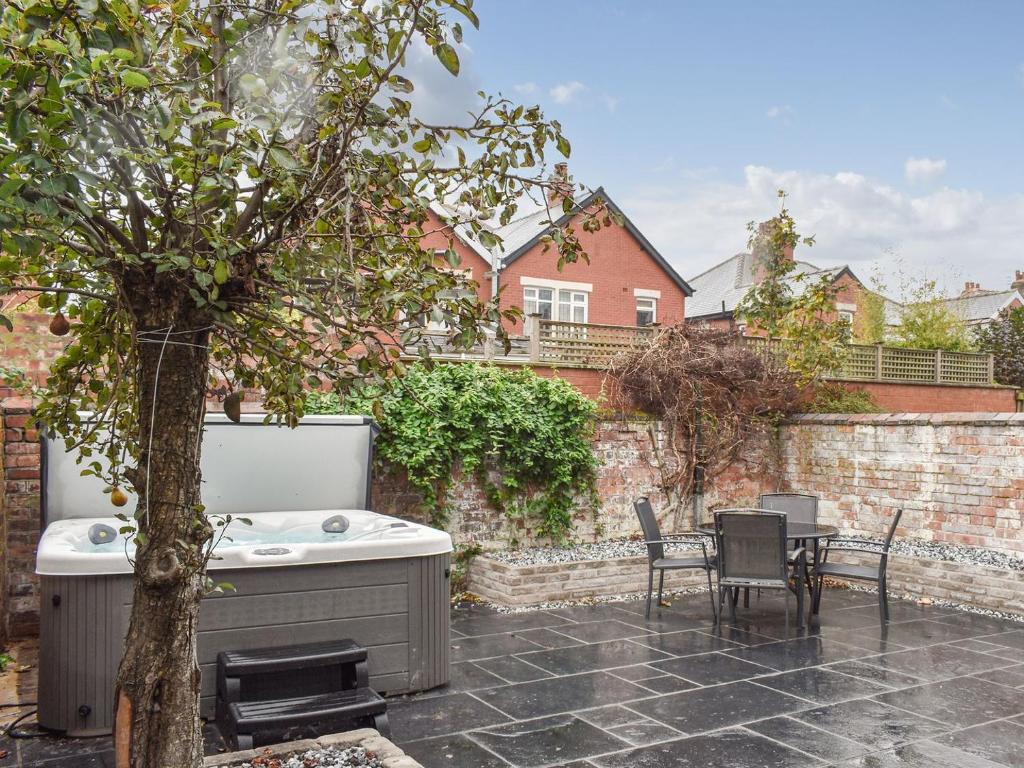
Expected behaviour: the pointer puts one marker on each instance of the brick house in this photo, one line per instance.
(626, 282)
(719, 290)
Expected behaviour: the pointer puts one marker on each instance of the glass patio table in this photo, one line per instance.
(801, 534)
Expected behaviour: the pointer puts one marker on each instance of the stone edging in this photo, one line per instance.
(521, 586)
(911, 419)
(367, 738)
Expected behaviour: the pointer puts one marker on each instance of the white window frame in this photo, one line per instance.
(651, 303)
(532, 294)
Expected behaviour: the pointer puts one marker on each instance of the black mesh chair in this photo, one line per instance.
(873, 573)
(799, 508)
(656, 559)
(753, 554)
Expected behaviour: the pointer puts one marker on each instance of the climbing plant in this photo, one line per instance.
(525, 437)
(1004, 338)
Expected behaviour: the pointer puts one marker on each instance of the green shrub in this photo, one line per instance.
(835, 398)
(527, 438)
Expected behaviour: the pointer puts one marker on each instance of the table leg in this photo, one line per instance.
(814, 581)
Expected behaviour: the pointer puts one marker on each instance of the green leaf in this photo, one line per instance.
(5, 321)
(220, 272)
(133, 79)
(253, 85)
(282, 158)
(563, 145)
(448, 57)
(423, 145)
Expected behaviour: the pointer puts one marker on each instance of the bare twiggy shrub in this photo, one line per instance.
(705, 381)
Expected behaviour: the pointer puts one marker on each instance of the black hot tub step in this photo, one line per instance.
(267, 674)
(254, 723)
(258, 660)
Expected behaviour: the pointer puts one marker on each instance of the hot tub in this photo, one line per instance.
(306, 570)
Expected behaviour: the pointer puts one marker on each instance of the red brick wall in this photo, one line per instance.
(19, 521)
(440, 237)
(930, 398)
(31, 346)
(618, 264)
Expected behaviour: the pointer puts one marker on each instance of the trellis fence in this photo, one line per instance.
(592, 345)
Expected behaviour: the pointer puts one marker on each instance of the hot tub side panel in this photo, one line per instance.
(397, 609)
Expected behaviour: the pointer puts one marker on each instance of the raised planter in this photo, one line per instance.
(387, 753)
(965, 583)
(523, 585)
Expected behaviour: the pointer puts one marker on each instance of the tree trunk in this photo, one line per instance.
(157, 712)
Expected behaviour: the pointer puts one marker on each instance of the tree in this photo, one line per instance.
(230, 194)
(803, 321)
(927, 322)
(1004, 339)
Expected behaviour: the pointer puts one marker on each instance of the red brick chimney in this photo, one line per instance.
(758, 267)
(1018, 282)
(970, 289)
(561, 184)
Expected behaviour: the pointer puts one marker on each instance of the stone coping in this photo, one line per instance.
(367, 738)
(911, 419)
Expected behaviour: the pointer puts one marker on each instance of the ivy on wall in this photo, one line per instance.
(525, 437)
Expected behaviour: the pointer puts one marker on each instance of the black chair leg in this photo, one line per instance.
(746, 598)
(661, 587)
(817, 594)
(711, 594)
(801, 620)
(883, 601)
(721, 605)
(650, 590)
(786, 598)
(732, 602)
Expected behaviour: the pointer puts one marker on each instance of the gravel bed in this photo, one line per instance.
(609, 550)
(351, 757)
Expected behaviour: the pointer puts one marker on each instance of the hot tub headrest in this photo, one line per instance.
(251, 467)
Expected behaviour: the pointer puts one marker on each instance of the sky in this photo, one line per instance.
(896, 129)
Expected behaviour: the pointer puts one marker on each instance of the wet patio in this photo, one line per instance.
(600, 687)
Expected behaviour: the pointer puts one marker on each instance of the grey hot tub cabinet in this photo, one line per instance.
(397, 608)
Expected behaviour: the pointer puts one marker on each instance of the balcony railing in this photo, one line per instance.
(591, 345)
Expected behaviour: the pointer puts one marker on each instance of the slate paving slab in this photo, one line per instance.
(886, 677)
(960, 702)
(1013, 639)
(1012, 677)
(734, 748)
(555, 695)
(547, 740)
(1001, 742)
(687, 643)
(599, 631)
(914, 634)
(645, 732)
(456, 751)
(512, 669)
(489, 646)
(548, 638)
(712, 668)
(588, 658)
(666, 684)
(924, 754)
(821, 685)
(422, 718)
(707, 709)
(467, 676)
(796, 654)
(871, 723)
(938, 662)
(822, 744)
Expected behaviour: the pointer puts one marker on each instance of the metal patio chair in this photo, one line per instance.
(753, 554)
(872, 573)
(656, 559)
(799, 508)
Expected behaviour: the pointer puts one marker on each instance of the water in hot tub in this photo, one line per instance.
(241, 534)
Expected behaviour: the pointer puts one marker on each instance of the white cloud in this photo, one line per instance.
(948, 234)
(525, 89)
(919, 169)
(611, 103)
(779, 112)
(563, 93)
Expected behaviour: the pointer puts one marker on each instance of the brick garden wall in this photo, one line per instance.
(20, 521)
